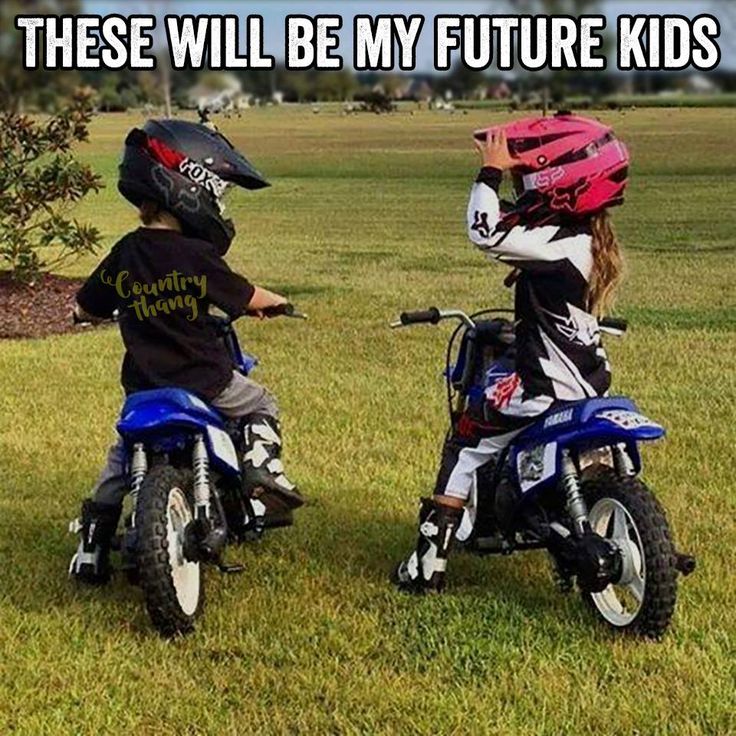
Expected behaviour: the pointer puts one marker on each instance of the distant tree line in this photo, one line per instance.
(119, 91)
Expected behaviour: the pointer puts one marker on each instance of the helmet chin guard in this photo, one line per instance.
(575, 166)
(186, 168)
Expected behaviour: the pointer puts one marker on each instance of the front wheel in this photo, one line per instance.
(172, 585)
(626, 512)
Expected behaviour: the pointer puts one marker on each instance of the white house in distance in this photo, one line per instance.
(219, 92)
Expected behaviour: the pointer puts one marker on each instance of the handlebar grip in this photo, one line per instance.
(282, 310)
(614, 323)
(428, 316)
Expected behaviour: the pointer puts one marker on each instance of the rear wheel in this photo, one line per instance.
(172, 585)
(625, 511)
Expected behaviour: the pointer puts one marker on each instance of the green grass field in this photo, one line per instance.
(366, 217)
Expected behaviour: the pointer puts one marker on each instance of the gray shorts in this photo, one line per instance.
(240, 398)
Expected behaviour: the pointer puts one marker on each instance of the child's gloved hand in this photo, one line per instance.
(495, 152)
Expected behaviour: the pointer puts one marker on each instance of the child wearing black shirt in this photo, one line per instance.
(162, 280)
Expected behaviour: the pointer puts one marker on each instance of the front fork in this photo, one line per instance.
(206, 540)
(138, 470)
(201, 467)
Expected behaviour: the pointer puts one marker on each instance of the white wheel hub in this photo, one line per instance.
(185, 575)
(620, 602)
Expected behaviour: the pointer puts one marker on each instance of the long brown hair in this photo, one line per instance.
(608, 266)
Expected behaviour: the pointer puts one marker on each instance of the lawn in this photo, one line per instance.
(365, 218)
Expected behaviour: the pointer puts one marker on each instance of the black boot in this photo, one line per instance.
(424, 571)
(263, 471)
(96, 528)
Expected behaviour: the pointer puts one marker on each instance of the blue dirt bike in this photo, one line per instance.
(569, 484)
(186, 499)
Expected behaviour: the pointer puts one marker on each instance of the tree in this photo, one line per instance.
(463, 81)
(337, 86)
(118, 96)
(18, 85)
(296, 85)
(557, 85)
(160, 9)
(39, 181)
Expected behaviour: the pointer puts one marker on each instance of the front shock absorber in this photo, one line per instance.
(201, 467)
(576, 506)
(138, 469)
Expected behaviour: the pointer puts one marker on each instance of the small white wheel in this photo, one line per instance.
(626, 512)
(620, 603)
(185, 575)
(172, 585)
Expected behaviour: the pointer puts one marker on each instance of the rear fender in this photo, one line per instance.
(536, 456)
(167, 420)
(176, 434)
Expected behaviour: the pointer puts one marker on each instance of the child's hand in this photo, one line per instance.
(495, 152)
(263, 300)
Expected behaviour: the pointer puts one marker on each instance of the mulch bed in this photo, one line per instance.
(42, 309)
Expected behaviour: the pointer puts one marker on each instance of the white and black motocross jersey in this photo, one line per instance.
(559, 351)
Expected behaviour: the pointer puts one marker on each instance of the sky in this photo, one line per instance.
(275, 11)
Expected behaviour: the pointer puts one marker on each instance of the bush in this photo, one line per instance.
(377, 102)
(39, 182)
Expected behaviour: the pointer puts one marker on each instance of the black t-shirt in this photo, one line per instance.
(163, 284)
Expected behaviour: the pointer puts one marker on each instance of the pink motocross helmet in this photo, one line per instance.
(576, 164)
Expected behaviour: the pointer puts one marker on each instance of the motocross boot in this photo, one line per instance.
(424, 571)
(96, 528)
(263, 471)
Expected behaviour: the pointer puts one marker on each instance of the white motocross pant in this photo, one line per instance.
(462, 458)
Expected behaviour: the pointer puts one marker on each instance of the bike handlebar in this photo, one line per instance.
(282, 310)
(433, 316)
(430, 316)
(614, 325)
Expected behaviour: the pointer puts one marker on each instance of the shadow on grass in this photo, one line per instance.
(345, 552)
(488, 595)
(299, 291)
(368, 548)
(41, 548)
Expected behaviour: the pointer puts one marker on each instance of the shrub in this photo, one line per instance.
(40, 180)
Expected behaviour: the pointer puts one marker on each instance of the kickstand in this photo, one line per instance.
(226, 569)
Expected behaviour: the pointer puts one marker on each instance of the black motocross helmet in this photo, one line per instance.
(186, 169)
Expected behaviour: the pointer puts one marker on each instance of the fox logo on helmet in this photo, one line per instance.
(546, 179)
(566, 198)
(203, 176)
(174, 197)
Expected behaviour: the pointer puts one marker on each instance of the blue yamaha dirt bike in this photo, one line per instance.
(568, 484)
(186, 499)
